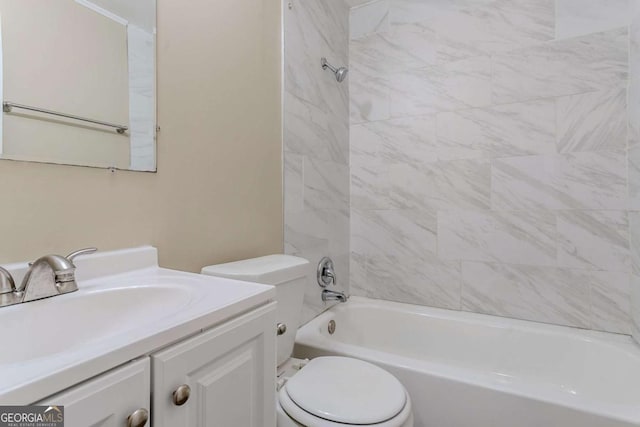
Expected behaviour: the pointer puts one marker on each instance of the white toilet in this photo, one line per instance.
(326, 391)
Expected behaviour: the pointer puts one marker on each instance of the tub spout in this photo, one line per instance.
(328, 295)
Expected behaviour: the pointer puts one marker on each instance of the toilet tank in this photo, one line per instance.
(287, 273)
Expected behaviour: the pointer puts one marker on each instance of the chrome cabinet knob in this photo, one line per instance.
(139, 418)
(281, 328)
(181, 395)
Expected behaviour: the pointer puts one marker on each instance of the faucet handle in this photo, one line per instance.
(7, 285)
(326, 275)
(79, 252)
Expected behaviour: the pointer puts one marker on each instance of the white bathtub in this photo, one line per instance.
(471, 370)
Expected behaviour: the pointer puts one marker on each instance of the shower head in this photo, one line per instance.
(340, 73)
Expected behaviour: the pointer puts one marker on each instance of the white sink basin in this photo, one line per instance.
(68, 321)
(126, 306)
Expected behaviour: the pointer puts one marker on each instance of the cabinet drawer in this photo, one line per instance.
(107, 400)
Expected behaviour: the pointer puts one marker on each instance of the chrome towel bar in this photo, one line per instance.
(8, 106)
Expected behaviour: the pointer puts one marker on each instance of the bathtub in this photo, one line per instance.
(472, 370)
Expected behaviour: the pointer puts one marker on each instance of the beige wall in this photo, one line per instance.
(85, 57)
(217, 195)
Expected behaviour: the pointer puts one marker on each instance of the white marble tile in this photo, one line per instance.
(313, 30)
(409, 140)
(369, 97)
(501, 131)
(301, 74)
(634, 107)
(633, 157)
(370, 184)
(414, 14)
(593, 121)
(339, 221)
(468, 28)
(509, 237)
(342, 271)
(580, 17)
(590, 180)
(543, 294)
(320, 23)
(369, 18)
(465, 235)
(293, 188)
(595, 180)
(316, 141)
(565, 67)
(358, 274)
(454, 59)
(610, 301)
(494, 26)
(314, 131)
(312, 302)
(383, 53)
(326, 185)
(457, 184)
(635, 306)
(313, 229)
(452, 86)
(634, 241)
(306, 229)
(634, 77)
(403, 173)
(596, 240)
(397, 233)
(422, 281)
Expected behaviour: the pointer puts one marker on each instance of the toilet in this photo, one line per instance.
(326, 391)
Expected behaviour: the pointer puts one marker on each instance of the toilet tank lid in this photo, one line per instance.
(269, 270)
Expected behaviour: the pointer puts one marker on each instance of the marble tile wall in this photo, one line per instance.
(316, 141)
(489, 158)
(633, 156)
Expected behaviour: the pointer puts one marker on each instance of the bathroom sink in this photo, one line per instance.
(125, 306)
(68, 321)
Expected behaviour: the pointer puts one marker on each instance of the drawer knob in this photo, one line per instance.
(181, 395)
(138, 419)
(281, 328)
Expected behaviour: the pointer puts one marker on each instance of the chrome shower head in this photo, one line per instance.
(340, 73)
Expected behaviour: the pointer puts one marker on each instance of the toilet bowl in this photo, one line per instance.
(339, 392)
(326, 391)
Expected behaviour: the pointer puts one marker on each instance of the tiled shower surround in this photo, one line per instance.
(316, 141)
(493, 165)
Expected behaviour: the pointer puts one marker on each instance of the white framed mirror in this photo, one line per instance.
(78, 82)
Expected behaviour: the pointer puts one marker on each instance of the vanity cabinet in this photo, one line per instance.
(220, 377)
(108, 400)
(223, 377)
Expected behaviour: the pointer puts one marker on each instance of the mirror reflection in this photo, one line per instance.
(78, 82)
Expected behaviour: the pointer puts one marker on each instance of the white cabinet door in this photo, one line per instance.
(107, 400)
(230, 371)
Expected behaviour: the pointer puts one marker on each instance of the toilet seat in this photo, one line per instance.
(340, 391)
(305, 419)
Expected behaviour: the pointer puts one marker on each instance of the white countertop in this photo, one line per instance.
(166, 306)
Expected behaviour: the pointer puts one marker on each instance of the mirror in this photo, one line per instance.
(78, 82)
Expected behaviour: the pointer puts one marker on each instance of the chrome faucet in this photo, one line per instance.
(48, 276)
(328, 295)
(326, 274)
